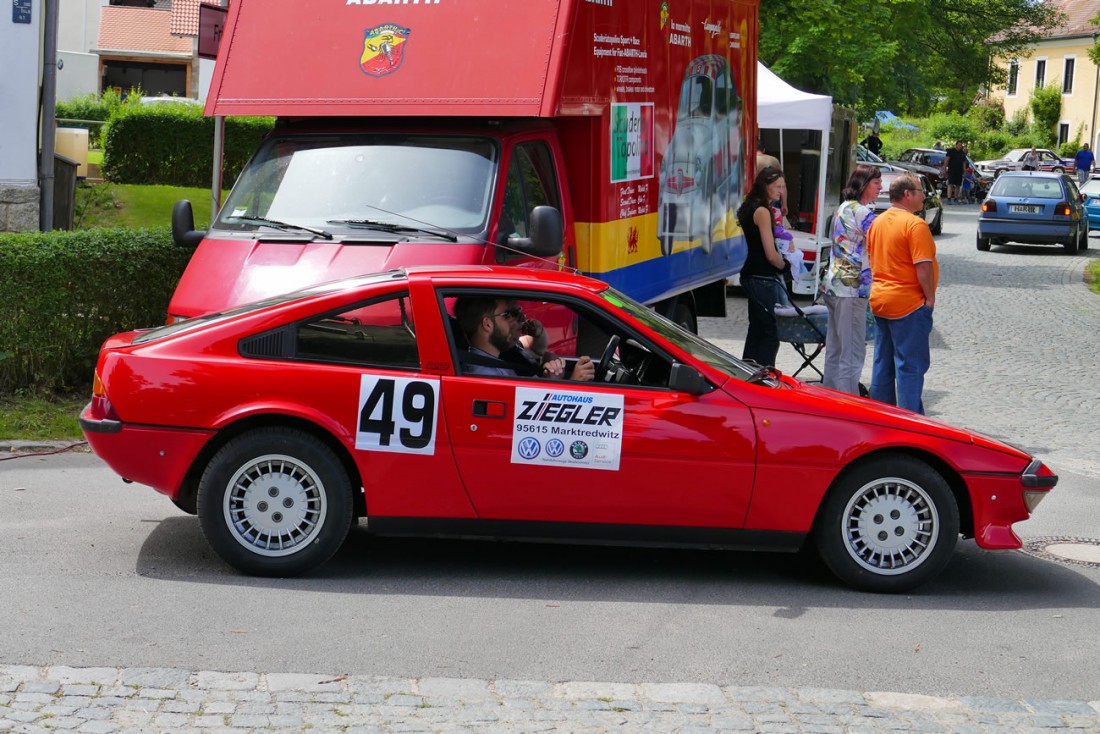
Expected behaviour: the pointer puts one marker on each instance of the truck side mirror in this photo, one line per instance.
(547, 233)
(685, 378)
(184, 233)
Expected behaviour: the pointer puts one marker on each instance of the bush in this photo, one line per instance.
(63, 293)
(174, 145)
(89, 107)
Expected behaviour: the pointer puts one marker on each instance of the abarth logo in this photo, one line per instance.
(383, 49)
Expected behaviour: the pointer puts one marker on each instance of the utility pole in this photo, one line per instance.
(48, 115)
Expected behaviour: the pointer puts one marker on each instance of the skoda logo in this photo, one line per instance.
(529, 448)
(578, 449)
(555, 448)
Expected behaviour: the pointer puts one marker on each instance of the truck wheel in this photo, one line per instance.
(983, 244)
(888, 525)
(275, 502)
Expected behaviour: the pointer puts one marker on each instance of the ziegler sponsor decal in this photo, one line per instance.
(569, 429)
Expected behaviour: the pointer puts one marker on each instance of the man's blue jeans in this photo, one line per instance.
(901, 359)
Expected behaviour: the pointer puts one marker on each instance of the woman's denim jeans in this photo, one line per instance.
(762, 340)
(901, 359)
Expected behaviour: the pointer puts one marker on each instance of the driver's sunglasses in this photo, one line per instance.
(515, 314)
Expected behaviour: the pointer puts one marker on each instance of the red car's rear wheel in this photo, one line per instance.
(275, 502)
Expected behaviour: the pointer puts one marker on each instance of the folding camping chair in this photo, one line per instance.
(801, 327)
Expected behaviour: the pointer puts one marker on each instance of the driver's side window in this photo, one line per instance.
(551, 327)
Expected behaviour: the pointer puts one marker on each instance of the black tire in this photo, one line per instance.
(1084, 241)
(983, 244)
(275, 487)
(681, 314)
(1070, 245)
(997, 173)
(888, 525)
(937, 226)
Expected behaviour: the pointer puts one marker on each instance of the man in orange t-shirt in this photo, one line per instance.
(904, 274)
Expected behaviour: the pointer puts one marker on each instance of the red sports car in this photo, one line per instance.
(281, 422)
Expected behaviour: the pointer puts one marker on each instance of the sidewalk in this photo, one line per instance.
(131, 700)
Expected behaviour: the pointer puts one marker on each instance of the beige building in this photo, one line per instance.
(1061, 58)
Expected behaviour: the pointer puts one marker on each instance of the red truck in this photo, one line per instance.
(602, 135)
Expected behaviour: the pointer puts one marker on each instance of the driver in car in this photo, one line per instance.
(492, 328)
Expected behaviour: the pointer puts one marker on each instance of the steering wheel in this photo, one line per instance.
(605, 360)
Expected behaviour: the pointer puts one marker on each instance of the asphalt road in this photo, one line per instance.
(99, 573)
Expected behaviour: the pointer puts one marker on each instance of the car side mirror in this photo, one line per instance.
(184, 233)
(1083, 198)
(547, 232)
(685, 378)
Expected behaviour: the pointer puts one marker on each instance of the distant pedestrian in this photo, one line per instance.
(968, 186)
(872, 142)
(1030, 161)
(938, 145)
(847, 282)
(761, 273)
(954, 168)
(1084, 160)
(763, 160)
(904, 275)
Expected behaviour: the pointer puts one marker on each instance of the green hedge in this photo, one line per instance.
(174, 145)
(63, 293)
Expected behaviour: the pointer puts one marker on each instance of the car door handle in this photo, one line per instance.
(490, 409)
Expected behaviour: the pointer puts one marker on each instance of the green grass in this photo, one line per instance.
(131, 205)
(52, 418)
(1092, 275)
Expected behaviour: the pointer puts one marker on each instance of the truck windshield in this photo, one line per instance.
(337, 182)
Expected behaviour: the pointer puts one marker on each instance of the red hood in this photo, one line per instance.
(815, 400)
(227, 273)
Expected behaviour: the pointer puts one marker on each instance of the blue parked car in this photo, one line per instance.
(1091, 190)
(1034, 207)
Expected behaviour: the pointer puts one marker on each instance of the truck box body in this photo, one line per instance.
(633, 118)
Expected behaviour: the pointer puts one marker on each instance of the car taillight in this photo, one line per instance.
(101, 404)
(989, 205)
(1063, 209)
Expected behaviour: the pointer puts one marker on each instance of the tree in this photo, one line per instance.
(1046, 108)
(897, 54)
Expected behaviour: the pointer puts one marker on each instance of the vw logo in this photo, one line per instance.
(529, 448)
(555, 447)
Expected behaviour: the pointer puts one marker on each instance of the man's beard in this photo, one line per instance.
(500, 339)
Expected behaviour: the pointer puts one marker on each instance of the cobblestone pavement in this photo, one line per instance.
(1015, 351)
(1015, 347)
(128, 701)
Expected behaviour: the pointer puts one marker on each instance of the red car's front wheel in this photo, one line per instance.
(888, 525)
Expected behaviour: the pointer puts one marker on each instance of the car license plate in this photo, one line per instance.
(1026, 208)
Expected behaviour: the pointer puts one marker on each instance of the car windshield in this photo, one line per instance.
(694, 345)
(360, 182)
(1091, 187)
(1015, 155)
(1028, 187)
(185, 325)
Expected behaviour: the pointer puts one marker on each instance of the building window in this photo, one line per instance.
(1013, 77)
(1063, 133)
(1040, 73)
(1067, 75)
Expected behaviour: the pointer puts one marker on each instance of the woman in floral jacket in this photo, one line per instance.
(847, 282)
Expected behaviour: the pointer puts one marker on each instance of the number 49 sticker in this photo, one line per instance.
(397, 414)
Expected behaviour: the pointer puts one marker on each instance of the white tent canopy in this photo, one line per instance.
(779, 106)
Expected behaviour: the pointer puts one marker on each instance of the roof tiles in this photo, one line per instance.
(185, 16)
(144, 30)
